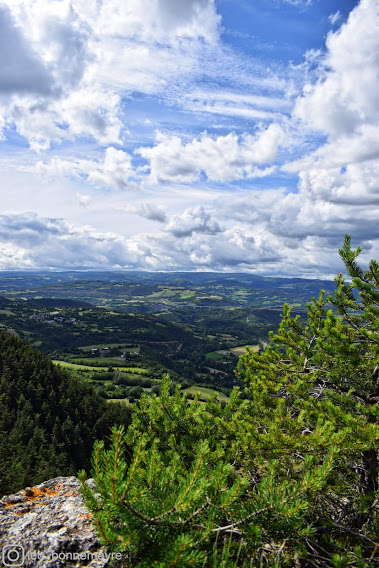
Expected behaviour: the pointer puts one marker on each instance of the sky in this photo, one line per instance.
(188, 135)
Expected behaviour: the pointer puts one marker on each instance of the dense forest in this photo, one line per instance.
(48, 420)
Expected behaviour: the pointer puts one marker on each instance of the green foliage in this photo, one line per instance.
(285, 477)
(319, 381)
(48, 421)
(182, 502)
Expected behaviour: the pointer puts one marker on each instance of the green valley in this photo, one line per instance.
(122, 331)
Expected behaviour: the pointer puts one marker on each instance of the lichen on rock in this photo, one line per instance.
(49, 526)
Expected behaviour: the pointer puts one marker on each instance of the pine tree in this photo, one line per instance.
(319, 380)
(286, 477)
(188, 497)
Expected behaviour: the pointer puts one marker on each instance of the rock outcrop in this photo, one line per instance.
(48, 526)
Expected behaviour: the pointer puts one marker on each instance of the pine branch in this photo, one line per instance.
(354, 533)
(240, 522)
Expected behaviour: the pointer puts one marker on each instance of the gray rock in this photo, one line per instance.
(49, 526)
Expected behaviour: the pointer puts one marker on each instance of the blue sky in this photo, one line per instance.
(188, 134)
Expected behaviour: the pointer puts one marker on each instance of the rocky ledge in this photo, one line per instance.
(48, 526)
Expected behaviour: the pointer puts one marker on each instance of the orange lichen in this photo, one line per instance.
(38, 494)
(86, 516)
(34, 493)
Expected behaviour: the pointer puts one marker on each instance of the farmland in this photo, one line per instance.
(122, 331)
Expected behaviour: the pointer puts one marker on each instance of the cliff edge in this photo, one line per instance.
(49, 526)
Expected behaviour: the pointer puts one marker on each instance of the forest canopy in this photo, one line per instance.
(48, 420)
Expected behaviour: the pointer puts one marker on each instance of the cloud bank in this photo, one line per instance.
(237, 166)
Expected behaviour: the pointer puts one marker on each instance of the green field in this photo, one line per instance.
(221, 354)
(77, 367)
(214, 356)
(97, 362)
(206, 393)
(238, 351)
(121, 400)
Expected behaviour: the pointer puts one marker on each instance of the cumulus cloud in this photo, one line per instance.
(45, 53)
(338, 182)
(28, 240)
(272, 232)
(22, 69)
(346, 95)
(148, 211)
(220, 158)
(84, 112)
(56, 32)
(115, 170)
(66, 63)
(28, 228)
(159, 19)
(192, 220)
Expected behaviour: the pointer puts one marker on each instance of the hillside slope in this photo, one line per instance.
(48, 420)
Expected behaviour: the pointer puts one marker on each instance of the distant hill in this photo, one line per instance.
(57, 303)
(155, 292)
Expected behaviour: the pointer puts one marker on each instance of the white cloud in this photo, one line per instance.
(83, 199)
(221, 158)
(29, 240)
(265, 107)
(69, 62)
(248, 101)
(115, 170)
(22, 69)
(347, 95)
(339, 188)
(158, 20)
(300, 3)
(2, 126)
(334, 18)
(148, 211)
(84, 112)
(46, 52)
(192, 220)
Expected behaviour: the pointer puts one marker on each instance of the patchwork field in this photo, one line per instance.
(228, 354)
(120, 331)
(238, 351)
(79, 367)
